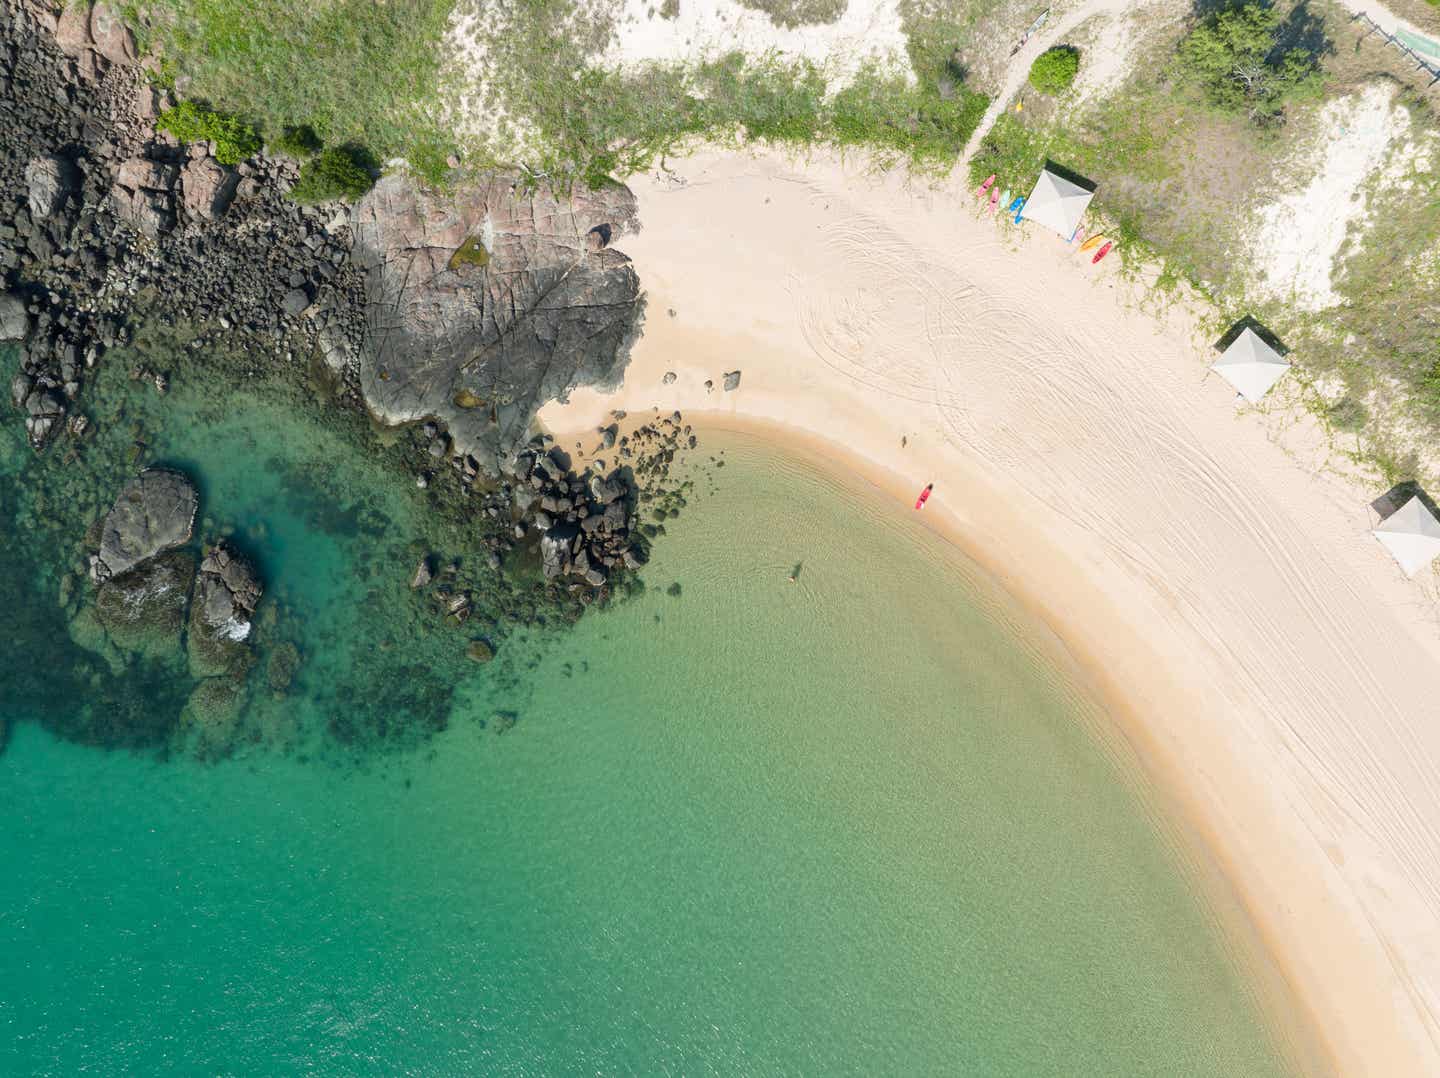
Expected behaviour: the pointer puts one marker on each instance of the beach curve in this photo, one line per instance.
(1278, 671)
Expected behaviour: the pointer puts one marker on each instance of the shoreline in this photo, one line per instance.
(1274, 665)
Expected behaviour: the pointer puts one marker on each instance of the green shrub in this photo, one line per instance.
(1054, 69)
(1235, 56)
(339, 172)
(298, 141)
(189, 121)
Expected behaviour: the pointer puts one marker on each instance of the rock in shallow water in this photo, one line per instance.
(227, 590)
(154, 512)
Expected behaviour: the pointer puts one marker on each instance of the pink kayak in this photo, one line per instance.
(924, 496)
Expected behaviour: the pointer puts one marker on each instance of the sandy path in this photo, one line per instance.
(1052, 33)
(1283, 675)
(1055, 31)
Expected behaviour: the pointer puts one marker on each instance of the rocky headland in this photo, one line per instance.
(450, 315)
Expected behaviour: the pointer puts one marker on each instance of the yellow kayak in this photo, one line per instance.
(1093, 241)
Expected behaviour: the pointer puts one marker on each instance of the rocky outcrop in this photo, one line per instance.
(154, 512)
(142, 195)
(227, 591)
(489, 301)
(98, 210)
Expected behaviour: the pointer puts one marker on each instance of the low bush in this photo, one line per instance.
(1055, 69)
(299, 141)
(339, 172)
(189, 121)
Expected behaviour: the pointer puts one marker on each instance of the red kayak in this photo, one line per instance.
(1101, 253)
(924, 496)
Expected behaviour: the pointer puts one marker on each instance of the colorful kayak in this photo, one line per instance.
(1093, 241)
(924, 496)
(1079, 231)
(994, 199)
(1019, 208)
(1101, 253)
(985, 186)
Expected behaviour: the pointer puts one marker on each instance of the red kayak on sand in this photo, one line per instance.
(1101, 253)
(924, 496)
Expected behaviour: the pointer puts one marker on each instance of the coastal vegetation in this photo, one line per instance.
(1250, 59)
(1055, 69)
(338, 172)
(190, 121)
(1216, 120)
(354, 71)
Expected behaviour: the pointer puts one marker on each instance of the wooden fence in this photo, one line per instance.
(1430, 66)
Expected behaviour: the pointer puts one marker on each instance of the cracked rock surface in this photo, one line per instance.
(490, 300)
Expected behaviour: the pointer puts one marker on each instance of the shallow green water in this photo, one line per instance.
(851, 824)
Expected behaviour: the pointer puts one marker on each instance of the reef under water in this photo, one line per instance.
(346, 652)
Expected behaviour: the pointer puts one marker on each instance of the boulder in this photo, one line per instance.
(72, 32)
(423, 573)
(154, 512)
(606, 490)
(112, 38)
(545, 314)
(142, 174)
(732, 380)
(295, 302)
(142, 195)
(14, 321)
(227, 591)
(207, 187)
(555, 549)
(48, 182)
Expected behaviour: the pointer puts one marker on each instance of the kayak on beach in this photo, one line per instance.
(1101, 253)
(1092, 242)
(924, 496)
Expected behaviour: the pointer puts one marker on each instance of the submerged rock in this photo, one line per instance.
(154, 512)
(547, 310)
(143, 610)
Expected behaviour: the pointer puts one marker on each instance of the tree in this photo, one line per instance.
(1235, 54)
(1054, 69)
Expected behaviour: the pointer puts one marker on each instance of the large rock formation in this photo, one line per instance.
(154, 512)
(487, 303)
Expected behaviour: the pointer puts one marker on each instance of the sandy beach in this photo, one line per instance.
(1278, 674)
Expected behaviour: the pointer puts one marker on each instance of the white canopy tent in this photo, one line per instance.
(1056, 203)
(1251, 365)
(1412, 534)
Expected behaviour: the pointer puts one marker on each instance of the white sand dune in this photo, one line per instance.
(1280, 674)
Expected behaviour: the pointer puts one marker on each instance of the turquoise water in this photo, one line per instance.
(850, 824)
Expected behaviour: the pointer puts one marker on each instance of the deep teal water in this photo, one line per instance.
(855, 824)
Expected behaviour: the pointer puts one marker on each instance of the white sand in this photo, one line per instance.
(1301, 232)
(1280, 674)
(868, 31)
